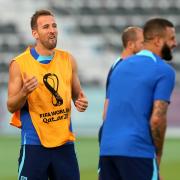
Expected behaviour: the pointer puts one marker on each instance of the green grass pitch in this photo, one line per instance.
(87, 153)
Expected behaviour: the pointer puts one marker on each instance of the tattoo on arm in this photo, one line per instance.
(160, 108)
(158, 124)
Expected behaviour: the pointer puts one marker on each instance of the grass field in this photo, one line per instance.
(87, 152)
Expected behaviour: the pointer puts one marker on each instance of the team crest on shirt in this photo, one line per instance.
(51, 82)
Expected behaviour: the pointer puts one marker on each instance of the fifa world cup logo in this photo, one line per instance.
(51, 82)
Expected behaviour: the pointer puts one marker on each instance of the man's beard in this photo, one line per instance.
(166, 52)
(49, 45)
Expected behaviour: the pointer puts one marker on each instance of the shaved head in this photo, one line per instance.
(130, 34)
(156, 27)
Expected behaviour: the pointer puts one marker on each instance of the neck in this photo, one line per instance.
(125, 53)
(43, 51)
(152, 48)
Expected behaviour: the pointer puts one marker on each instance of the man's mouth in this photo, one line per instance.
(52, 37)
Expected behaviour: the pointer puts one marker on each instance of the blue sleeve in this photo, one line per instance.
(165, 85)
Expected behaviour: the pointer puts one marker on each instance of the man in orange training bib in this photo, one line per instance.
(42, 82)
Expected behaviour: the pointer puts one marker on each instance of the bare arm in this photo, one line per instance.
(78, 96)
(106, 102)
(18, 89)
(158, 126)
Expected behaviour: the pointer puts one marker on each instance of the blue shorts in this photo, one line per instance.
(39, 163)
(127, 168)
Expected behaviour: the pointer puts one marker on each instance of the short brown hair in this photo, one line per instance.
(129, 34)
(155, 27)
(36, 15)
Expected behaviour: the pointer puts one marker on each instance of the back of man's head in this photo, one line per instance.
(130, 34)
(155, 27)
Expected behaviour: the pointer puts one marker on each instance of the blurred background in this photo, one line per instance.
(91, 31)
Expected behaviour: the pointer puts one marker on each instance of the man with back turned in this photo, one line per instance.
(139, 94)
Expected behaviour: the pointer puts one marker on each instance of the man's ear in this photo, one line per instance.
(158, 41)
(35, 34)
(130, 44)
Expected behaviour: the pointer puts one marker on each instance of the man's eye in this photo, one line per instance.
(45, 27)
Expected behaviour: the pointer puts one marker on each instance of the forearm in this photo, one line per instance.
(158, 125)
(78, 97)
(19, 87)
(76, 93)
(105, 108)
(158, 134)
(16, 102)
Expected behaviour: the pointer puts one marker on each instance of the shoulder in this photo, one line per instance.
(63, 52)
(26, 52)
(165, 67)
(165, 72)
(67, 56)
(19, 58)
(116, 62)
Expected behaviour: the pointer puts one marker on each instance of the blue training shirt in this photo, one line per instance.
(109, 74)
(133, 87)
(107, 89)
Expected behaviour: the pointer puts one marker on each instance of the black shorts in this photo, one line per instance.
(39, 163)
(127, 168)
